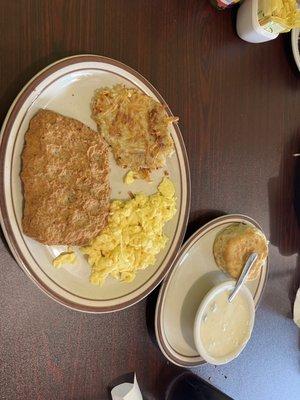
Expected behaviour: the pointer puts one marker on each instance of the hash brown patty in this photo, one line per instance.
(135, 126)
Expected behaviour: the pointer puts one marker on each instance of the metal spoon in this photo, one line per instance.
(246, 269)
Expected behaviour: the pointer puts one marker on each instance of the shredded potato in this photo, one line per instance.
(135, 126)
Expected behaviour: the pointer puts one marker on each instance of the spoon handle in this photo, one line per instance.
(246, 269)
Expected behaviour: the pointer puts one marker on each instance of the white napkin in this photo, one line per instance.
(127, 391)
(297, 309)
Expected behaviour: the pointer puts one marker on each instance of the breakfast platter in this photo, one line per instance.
(95, 199)
(193, 275)
(58, 100)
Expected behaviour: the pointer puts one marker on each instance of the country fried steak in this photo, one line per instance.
(65, 175)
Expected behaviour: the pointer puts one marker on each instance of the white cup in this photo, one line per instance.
(247, 25)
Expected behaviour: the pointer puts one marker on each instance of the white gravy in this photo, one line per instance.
(225, 326)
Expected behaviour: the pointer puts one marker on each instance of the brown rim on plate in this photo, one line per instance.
(5, 221)
(198, 234)
(14, 210)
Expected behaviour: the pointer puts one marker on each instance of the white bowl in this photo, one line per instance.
(247, 25)
(199, 318)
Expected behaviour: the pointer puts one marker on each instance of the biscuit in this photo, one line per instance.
(234, 244)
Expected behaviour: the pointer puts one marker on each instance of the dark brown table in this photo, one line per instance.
(239, 114)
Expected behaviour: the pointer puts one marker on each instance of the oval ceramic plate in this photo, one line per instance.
(67, 87)
(193, 274)
(295, 38)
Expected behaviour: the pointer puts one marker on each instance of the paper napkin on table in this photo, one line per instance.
(127, 391)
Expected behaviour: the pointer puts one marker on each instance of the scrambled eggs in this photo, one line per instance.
(133, 236)
(67, 257)
(129, 177)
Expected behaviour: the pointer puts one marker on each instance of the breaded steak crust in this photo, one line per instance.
(65, 175)
(135, 126)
